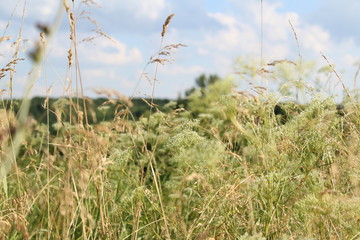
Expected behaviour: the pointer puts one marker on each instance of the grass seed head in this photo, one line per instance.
(166, 24)
(5, 38)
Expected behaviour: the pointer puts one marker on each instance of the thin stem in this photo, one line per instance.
(153, 170)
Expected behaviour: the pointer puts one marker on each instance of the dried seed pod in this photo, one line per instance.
(70, 61)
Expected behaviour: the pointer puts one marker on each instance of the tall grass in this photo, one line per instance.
(228, 165)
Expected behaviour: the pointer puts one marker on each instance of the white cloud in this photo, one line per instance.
(148, 8)
(110, 53)
(314, 38)
(60, 46)
(172, 70)
(141, 9)
(43, 10)
(5, 52)
(277, 51)
(2, 24)
(223, 65)
(234, 36)
(105, 78)
(241, 35)
(202, 51)
(276, 25)
(34, 8)
(224, 19)
(339, 18)
(98, 75)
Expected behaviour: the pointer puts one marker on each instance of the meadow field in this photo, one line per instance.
(218, 164)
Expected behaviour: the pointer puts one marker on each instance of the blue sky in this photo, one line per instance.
(215, 31)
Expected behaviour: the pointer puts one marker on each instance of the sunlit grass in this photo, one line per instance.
(221, 164)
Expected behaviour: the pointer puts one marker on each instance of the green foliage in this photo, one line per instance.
(230, 166)
(100, 109)
(207, 100)
(203, 82)
(291, 78)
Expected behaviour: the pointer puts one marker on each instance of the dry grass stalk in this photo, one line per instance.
(7, 129)
(273, 63)
(5, 38)
(166, 24)
(296, 38)
(162, 61)
(70, 60)
(72, 25)
(337, 75)
(91, 2)
(150, 104)
(9, 67)
(355, 77)
(66, 5)
(165, 51)
(114, 95)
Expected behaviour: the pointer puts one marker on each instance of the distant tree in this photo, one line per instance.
(202, 82)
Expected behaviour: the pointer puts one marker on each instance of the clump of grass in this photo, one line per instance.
(230, 165)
